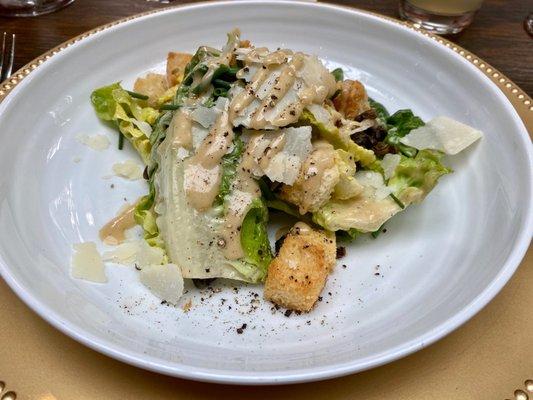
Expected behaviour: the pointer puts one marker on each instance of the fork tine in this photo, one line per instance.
(10, 54)
(11, 57)
(2, 55)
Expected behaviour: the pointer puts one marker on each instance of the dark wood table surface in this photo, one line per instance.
(497, 34)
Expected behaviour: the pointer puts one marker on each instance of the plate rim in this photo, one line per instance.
(302, 374)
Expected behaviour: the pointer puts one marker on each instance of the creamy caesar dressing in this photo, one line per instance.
(113, 232)
(260, 151)
(245, 189)
(203, 171)
(281, 87)
(245, 97)
(271, 150)
(315, 166)
(264, 56)
(180, 129)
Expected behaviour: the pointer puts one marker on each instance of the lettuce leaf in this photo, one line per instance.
(347, 236)
(338, 74)
(333, 136)
(229, 169)
(129, 115)
(254, 241)
(400, 124)
(146, 217)
(144, 214)
(283, 206)
(381, 111)
(415, 177)
(363, 213)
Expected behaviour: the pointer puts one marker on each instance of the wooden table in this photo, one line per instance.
(497, 34)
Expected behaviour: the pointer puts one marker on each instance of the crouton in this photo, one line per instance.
(298, 273)
(152, 85)
(318, 177)
(353, 100)
(176, 63)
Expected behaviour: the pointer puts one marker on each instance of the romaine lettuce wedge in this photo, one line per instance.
(192, 238)
(130, 116)
(254, 242)
(415, 177)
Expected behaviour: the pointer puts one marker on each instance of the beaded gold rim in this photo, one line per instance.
(504, 83)
(523, 393)
(6, 394)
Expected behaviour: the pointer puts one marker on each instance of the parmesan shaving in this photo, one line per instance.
(135, 252)
(165, 281)
(96, 142)
(128, 170)
(443, 134)
(87, 263)
(389, 164)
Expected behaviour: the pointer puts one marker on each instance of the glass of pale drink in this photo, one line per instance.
(440, 16)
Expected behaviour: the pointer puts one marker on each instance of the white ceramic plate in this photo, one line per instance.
(439, 262)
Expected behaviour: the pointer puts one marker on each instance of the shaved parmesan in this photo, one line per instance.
(285, 165)
(149, 255)
(321, 114)
(389, 164)
(96, 142)
(128, 169)
(182, 153)
(373, 184)
(248, 72)
(198, 133)
(316, 76)
(135, 252)
(277, 97)
(165, 281)
(443, 134)
(205, 116)
(125, 253)
(143, 126)
(87, 263)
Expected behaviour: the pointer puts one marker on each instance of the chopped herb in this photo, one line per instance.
(169, 107)
(120, 141)
(221, 83)
(397, 201)
(136, 95)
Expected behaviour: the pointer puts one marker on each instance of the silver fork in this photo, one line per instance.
(6, 56)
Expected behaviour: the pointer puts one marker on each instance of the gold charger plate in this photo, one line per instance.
(491, 356)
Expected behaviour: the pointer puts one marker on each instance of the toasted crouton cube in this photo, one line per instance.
(353, 100)
(152, 85)
(298, 273)
(176, 63)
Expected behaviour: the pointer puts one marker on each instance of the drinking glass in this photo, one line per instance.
(440, 16)
(30, 8)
